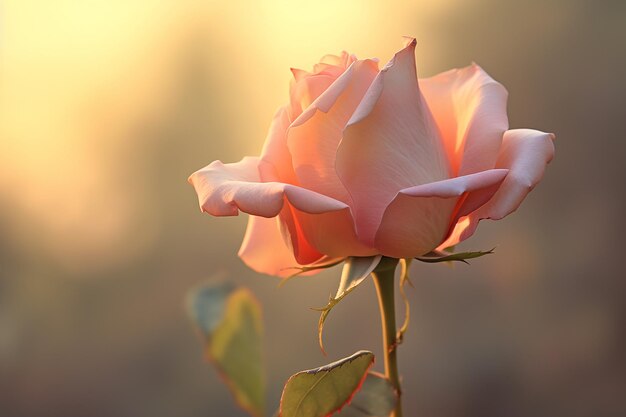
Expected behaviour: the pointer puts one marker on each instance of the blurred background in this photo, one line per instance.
(107, 106)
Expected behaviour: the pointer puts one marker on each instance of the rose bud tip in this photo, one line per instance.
(410, 41)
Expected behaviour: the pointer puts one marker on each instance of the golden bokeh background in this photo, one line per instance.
(107, 106)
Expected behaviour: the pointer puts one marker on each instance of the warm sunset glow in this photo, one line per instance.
(79, 78)
(75, 78)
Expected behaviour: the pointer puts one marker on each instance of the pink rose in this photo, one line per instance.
(365, 161)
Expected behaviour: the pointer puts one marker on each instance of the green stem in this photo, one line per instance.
(384, 280)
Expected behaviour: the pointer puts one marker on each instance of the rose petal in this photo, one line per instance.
(332, 233)
(470, 110)
(418, 218)
(224, 189)
(314, 136)
(525, 152)
(264, 249)
(299, 74)
(276, 153)
(307, 89)
(344, 60)
(454, 237)
(328, 69)
(293, 235)
(390, 143)
(275, 166)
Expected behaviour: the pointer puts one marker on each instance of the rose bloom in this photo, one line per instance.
(364, 162)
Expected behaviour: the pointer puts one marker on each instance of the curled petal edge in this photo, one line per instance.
(525, 153)
(440, 203)
(226, 189)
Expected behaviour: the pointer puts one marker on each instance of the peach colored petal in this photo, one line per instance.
(344, 60)
(470, 110)
(304, 91)
(332, 233)
(275, 166)
(299, 74)
(264, 250)
(225, 189)
(418, 219)
(276, 153)
(328, 69)
(454, 237)
(525, 153)
(331, 59)
(313, 137)
(390, 143)
(292, 233)
(306, 232)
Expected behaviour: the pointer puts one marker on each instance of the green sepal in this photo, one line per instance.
(313, 267)
(436, 256)
(355, 270)
(404, 280)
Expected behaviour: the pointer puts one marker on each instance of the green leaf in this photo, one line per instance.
(376, 398)
(229, 321)
(434, 257)
(322, 391)
(355, 270)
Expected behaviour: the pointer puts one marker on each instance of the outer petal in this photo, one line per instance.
(224, 189)
(390, 143)
(275, 166)
(470, 110)
(525, 153)
(264, 249)
(294, 237)
(418, 219)
(275, 151)
(314, 136)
